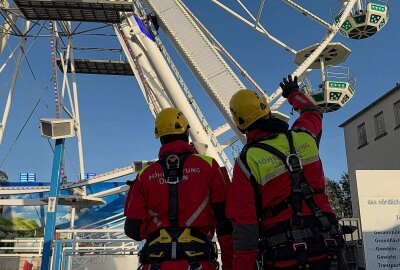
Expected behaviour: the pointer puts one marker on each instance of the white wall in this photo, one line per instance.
(380, 154)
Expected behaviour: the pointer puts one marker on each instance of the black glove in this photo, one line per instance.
(289, 86)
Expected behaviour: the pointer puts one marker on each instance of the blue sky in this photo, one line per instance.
(117, 127)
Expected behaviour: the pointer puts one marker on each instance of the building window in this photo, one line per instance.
(362, 135)
(396, 109)
(380, 130)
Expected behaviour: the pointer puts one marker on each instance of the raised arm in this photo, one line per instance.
(310, 119)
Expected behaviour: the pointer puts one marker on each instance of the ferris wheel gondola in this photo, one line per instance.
(366, 19)
(338, 83)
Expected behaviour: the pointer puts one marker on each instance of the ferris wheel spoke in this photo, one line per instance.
(254, 25)
(307, 13)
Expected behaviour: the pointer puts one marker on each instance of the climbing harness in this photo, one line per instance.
(299, 239)
(175, 243)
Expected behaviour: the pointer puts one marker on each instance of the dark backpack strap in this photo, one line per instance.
(173, 173)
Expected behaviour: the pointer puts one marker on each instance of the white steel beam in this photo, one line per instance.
(260, 9)
(225, 52)
(10, 56)
(229, 142)
(10, 19)
(75, 105)
(98, 179)
(221, 130)
(144, 73)
(171, 86)
(110, 192)
(13, 82)
(307, 13)
(192, 100)
(100, 221)
(21, 202)
(65, 84)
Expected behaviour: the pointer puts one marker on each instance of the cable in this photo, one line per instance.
(19, 133)
(41, 98)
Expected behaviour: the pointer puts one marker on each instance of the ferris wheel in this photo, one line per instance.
(136, 25)
(142, 54)
(358, 19)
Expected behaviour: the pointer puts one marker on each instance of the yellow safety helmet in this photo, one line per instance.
(246, 107)
(170, 121)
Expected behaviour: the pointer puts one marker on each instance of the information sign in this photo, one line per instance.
(379, 201)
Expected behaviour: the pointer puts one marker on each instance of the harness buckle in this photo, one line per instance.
(331, 246)
(306, 189)
(301, 246)
(294, 163)
(330, 242)
(172, 163)
(174, 181)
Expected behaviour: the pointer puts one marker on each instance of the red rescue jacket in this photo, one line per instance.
(241, 204)
(203, 184)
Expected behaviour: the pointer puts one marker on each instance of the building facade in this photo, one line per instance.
(372, 138)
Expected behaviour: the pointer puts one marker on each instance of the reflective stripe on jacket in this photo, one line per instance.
(265, 166)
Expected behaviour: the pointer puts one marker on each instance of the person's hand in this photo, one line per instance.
(289, 86)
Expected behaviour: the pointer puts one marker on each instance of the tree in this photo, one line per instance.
(334, 194)
(340, 196)
(346, 195)
(18, 227)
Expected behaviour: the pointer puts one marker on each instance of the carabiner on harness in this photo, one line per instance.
(293, 163)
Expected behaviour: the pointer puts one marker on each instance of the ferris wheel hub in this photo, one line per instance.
(334, 54)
